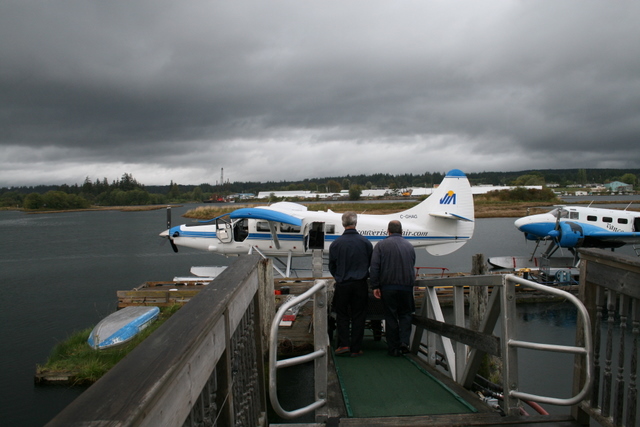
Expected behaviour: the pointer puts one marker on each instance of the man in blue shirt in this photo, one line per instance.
(392, 279)
(349, 258)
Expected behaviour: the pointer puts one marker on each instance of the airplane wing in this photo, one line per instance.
(267, 215)
(447, 215)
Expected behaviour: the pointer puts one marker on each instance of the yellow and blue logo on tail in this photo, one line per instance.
(449, 198)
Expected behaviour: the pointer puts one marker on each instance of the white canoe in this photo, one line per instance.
(122, 326)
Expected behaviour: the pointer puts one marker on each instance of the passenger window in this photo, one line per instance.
(607, 219)
(288, 228)
(623, 221)
(330, 229)
(592, 218)
(262, 226)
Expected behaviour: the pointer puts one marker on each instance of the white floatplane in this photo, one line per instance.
(570, 227)
(442, 224)
(575, 227)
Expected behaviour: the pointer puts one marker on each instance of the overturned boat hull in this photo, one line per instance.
(122, 326)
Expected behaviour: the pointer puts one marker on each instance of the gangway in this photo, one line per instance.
(363, 383)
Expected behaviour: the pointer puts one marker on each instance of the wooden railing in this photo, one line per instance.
(610, 289)
(203, 367)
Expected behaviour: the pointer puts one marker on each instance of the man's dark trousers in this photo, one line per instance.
(350, 303)
(398, 313)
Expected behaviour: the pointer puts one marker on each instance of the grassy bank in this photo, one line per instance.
(80, 364)
(483, 209)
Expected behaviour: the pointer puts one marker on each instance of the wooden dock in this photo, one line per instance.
(212, 370)
(161, 294)
(295, 339)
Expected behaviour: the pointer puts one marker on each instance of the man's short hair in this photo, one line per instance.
(349, 219)
(395, 227)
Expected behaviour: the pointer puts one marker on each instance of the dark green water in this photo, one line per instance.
(60, 272)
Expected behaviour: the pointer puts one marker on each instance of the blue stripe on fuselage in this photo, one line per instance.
(375, 239)
(196, 234)
(299, 237)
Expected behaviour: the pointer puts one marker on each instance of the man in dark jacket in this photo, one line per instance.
(392, 279)
(349, 258)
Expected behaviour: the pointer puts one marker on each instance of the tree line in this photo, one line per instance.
(127, 191)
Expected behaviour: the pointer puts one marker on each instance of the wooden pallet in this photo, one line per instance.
(161, 294)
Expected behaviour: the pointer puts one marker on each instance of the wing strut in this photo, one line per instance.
(274, 234)
(255, 248)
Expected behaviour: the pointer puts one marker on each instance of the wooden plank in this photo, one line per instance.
(160, 295)
(157, 293)
(455, 420)
(614, 277)
(484, 342)
(613, 259)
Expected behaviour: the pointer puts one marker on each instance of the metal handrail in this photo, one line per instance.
(586, 350)
(321, 345)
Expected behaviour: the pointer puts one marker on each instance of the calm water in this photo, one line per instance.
(60, 272)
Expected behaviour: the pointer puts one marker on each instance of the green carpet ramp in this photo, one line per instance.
(378, 385)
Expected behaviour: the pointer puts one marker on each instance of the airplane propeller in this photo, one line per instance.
(173, 245)
(555, 236)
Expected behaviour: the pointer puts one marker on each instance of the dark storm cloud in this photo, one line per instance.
(168, 90)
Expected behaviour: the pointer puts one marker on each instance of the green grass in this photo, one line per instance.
(209, 212)
(86, 365)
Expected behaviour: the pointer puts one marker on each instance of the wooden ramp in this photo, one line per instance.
(379, 390)
(378, 385)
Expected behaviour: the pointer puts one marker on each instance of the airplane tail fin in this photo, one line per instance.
(450, 210)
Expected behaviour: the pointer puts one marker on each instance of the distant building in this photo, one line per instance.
(242, 196)
(377, 193)
(293, 194)
(619, 187)
(373, 193)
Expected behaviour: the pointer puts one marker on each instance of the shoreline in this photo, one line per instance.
(96, 209)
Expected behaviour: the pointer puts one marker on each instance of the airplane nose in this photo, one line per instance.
(521, 222)
(165, 233)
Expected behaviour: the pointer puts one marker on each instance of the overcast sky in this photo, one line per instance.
(287, 90)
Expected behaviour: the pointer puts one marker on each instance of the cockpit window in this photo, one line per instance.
(330, 228)
(262, 226)
(574, 215)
